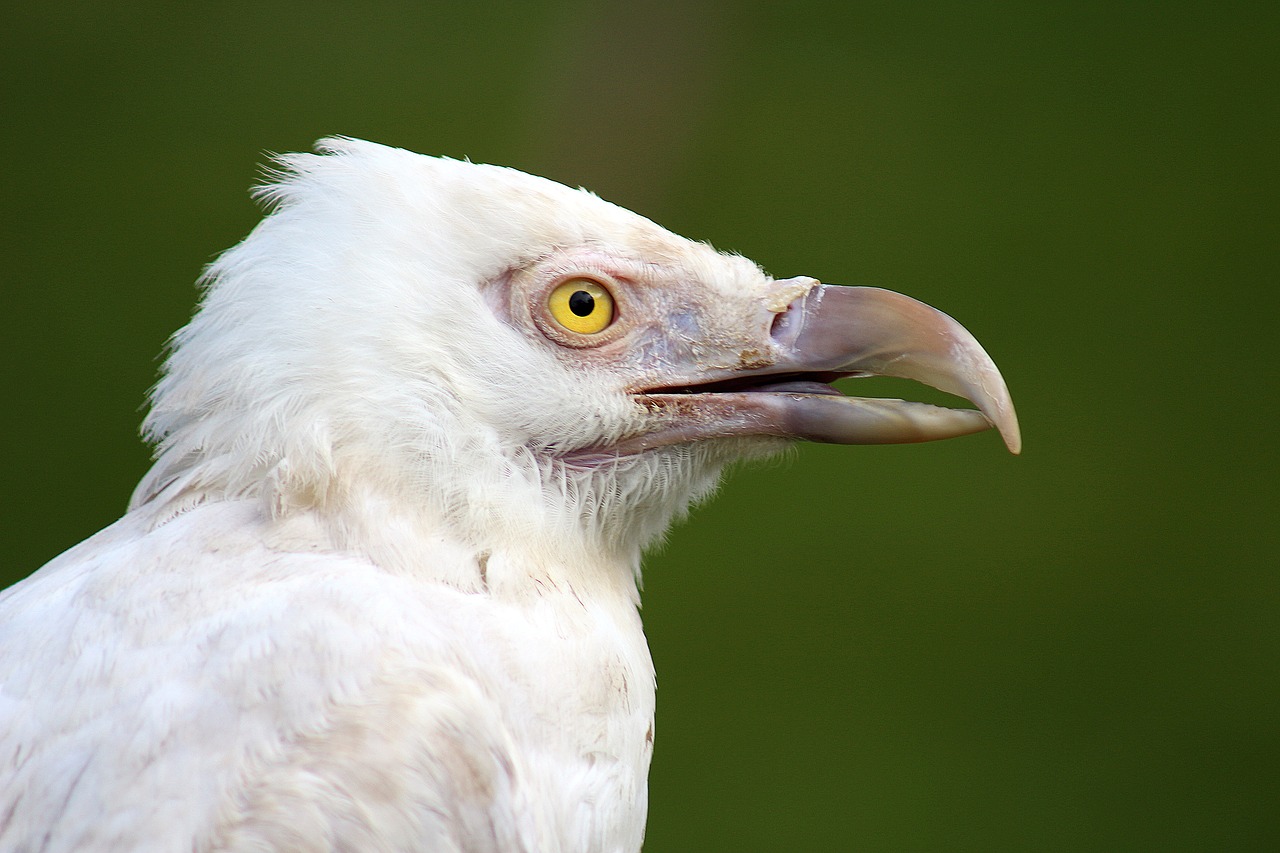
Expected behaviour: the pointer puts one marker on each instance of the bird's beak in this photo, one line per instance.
(832, 332)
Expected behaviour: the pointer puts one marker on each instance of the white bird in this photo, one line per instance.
(379, 590)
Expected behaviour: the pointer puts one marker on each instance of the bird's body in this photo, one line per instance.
(379, 591)
(212, 683)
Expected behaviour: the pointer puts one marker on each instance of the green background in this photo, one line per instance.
(936, 647)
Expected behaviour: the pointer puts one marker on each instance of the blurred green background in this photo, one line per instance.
(935, 647)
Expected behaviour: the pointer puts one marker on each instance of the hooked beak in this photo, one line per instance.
(833, 332)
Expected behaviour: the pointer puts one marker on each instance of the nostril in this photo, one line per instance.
(779, 323)
(792, 300)
(783, 329)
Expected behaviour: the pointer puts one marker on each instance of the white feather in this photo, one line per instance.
(361, 602)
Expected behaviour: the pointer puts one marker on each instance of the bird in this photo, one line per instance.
(379, 589)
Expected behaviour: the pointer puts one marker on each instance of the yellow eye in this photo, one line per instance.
(581, 305)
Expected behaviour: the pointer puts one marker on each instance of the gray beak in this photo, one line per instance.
(867, 331)
(833, 332)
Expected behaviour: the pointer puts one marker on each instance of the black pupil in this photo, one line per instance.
(582, 303)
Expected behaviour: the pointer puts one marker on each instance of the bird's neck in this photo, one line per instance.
(511, 560)
(496, 548)
(465, 492)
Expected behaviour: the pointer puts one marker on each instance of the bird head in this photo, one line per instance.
(510, 357)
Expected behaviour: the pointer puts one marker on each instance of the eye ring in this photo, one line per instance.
(582, 305)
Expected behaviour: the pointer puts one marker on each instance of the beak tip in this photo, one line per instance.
(1009, 431)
